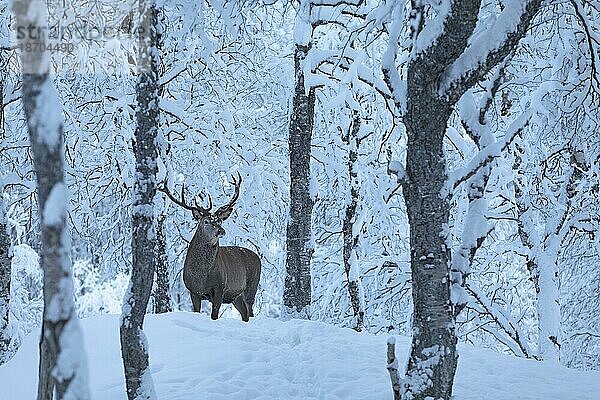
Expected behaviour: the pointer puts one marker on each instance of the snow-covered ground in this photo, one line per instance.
(193, 357)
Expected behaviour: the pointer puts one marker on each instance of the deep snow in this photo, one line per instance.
(193, 357)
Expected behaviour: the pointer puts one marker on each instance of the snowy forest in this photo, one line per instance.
(400, 195)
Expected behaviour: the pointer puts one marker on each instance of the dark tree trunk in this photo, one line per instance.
(431, 94)
(133, 343)
(162, 300)
(350, 239)
(45, 383)
(434, 337)
(297, 291)
(392, 367)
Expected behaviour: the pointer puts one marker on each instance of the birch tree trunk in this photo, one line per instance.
(5, 261)
(350, 239)
(544, 278)
(134, 348)
(62, 362)
(162, 300)
(297, 289)
(434, 337)
(543, 255)
(432, 88)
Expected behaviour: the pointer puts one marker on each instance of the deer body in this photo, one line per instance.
(228, 274)
(220, 274)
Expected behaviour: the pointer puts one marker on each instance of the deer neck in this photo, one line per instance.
(206, 249)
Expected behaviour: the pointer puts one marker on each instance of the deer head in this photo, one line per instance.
(209, 224)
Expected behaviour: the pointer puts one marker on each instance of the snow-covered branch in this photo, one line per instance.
(443, 39)
(518, 340)
(487, 154)
(592, 38)
(488, 48)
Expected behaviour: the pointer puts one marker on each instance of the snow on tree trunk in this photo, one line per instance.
(63, 362)
(3, 75)
(548, 307)
(441, 68)
(541, 260)
(392, 367)
(543, 251)
(134, 348)
(162, 299)
(544, 277)
(350, 239)
(297, 289)
(475, 227)
(5, 260)
(546, 259)
(433, 357)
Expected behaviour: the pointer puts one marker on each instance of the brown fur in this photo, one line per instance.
(228, 274)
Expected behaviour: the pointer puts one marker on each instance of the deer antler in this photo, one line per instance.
(165, 189)
(204, 210)
(224, 211)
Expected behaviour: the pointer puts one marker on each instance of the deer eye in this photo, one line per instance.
(206, 222)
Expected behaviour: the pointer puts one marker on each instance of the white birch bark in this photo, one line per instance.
(63, 364)
(5, 271)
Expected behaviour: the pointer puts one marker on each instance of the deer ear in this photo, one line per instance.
(226, 214)
(196, 214)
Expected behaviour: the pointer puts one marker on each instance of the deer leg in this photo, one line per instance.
(216, 305)
(248, 304)
(240, 304)
(196, 302)
(217, 300)
(250, 307)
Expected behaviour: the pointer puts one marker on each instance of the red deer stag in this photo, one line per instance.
(221, 274)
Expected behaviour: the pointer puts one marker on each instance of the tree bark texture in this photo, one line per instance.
(392, 367)
(433, 357)
(297, 290)
(162, 299)
(134, 351)
(45, 383)
(5, 270)
(57, 285)
(62, 362)
(350, 239)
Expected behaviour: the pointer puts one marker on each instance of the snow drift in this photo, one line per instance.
(193, 357)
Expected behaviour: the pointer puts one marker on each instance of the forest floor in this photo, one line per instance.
(193, 357)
